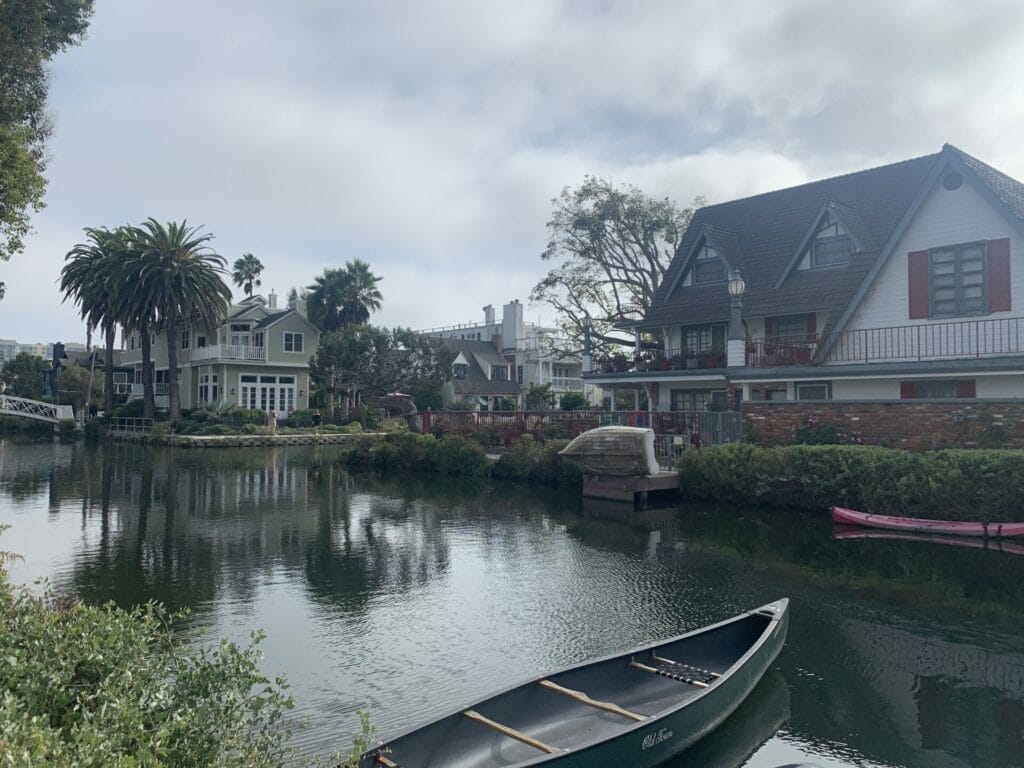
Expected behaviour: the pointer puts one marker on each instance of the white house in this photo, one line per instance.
(535, 352)
(895, 283)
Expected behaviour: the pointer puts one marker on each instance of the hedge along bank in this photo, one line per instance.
(955, 484)
(455, 455)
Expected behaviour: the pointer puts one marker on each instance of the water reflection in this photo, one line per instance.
(410, 595)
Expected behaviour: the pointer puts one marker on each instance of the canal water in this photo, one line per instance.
(409, 596)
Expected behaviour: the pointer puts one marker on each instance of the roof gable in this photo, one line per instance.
(765, 231)
(724, 243)
(848, 220)
(1004, 193)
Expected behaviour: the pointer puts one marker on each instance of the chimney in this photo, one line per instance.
(300, 306)
(272, 300)
(489, 315)
(512, 324)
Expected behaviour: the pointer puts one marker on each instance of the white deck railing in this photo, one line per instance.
(229, 352)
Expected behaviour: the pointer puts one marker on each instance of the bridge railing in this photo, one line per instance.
(33, 409)
(127, 424)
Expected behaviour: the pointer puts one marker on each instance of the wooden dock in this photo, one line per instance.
(629, 489)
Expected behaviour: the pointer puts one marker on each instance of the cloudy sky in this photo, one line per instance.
(429, 138)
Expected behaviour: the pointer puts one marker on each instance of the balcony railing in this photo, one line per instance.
(669, 360)
(561, 382)
(158, 389)
(229, 352)
(960, 340)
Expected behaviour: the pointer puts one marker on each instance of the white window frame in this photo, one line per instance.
(292, 336)
(801, 386)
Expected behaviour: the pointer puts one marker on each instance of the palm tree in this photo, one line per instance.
(137, 312)
(361, 295)
(180, 279)
(3, 290)
(344, 296)
(89, 279)
(247, 272)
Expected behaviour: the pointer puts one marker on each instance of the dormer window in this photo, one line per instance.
(460, 370)
(831, 245)
(707, 266)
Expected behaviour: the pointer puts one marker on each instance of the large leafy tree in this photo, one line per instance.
(341, 297)
(93, 277)
(23, 376)
(609, 247)
(31, 33)
(246, 272)
(363, 360)
(179, 277)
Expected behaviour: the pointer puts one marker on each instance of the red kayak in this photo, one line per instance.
(919, 525)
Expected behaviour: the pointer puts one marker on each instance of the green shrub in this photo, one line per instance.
(214, 429)
(949, 484)
(541, 465)
(95, 429)
(161, 429)
(573, 401)
(66, 426)
(369, 417)
(240, 416)
(305, 418)
(131, 410)
(188, 427)
(455, 455)
(813, 433)
(103, 686)
(252, 429)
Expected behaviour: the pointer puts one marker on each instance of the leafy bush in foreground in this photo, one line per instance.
(106, 687)
(951, 484)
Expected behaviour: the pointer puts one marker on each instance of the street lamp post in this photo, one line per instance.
(736, 349)
(587, 325)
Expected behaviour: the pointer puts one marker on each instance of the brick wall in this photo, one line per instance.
(917, 425)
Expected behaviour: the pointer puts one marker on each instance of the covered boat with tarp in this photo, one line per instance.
(614, 452)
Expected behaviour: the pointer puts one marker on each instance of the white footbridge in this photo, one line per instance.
(34, 409)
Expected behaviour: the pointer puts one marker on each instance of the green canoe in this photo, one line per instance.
(636, 708)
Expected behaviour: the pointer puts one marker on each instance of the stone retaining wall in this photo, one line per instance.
(237, 441)
(915, 425)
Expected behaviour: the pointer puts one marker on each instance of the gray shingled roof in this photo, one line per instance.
(273, 318)
(767, 229)
(760, 235)
(476, 382)
(1007, 189)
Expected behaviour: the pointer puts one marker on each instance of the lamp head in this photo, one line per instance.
(737, 285)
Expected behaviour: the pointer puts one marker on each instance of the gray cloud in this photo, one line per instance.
(429, 139)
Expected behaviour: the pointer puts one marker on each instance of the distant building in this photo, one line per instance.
(531, 350)
(10, 347)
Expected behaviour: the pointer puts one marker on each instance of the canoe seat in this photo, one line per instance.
(512, 733)
(677, 670)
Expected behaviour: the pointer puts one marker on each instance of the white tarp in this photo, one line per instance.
(614, 451)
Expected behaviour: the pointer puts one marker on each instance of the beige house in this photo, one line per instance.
(257, 358)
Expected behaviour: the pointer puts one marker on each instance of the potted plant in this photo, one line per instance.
(677, 362)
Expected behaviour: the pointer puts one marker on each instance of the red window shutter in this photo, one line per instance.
(965, 388)
(998, 271)
(917, 283)
(908, 390)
